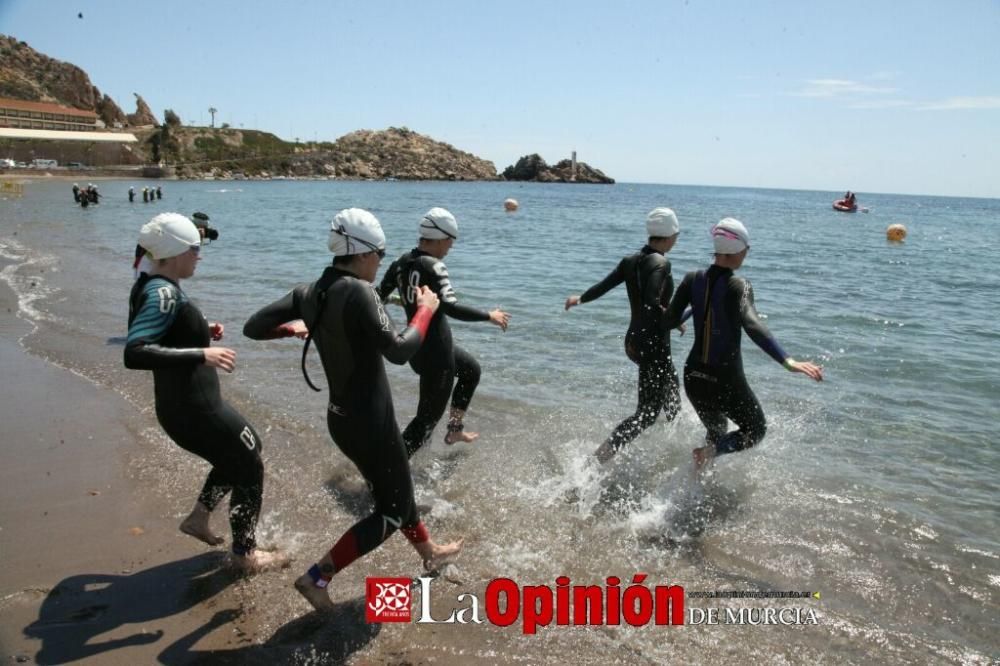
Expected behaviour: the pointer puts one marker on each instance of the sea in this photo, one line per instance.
(873, 496)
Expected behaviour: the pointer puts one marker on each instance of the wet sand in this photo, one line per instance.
(96, 571)
(93, 568)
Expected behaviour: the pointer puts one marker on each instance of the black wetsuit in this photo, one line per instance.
(723, 307)
(649, 284)
(439, 362)
(166, 334)
(352, 332)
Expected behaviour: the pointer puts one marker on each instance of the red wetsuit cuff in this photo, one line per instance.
(421, 320)
(417, 533)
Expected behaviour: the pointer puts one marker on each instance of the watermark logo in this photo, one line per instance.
(616, 602)
(388, 600)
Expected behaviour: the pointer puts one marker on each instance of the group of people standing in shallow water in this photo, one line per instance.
(343, 314)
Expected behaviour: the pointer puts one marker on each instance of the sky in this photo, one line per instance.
(877, 96)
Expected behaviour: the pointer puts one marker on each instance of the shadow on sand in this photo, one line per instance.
(318, 638)
(80, 610)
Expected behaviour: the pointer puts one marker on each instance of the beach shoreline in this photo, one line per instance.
(95, 568)
(86, 552)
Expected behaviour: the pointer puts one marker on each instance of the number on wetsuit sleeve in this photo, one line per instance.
(411, 291)
(168, 299)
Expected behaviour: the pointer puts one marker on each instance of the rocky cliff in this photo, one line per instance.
(198, 152)
(143, 114)
(533, 167)
(394, 153)
(32, 76)
(403, 154)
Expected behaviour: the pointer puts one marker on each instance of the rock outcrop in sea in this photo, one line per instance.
(534, 168)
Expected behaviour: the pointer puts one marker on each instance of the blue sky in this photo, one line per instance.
(874, 96)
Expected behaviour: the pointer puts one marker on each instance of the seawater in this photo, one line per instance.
(877, 487)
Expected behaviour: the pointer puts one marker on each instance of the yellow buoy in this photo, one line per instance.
(510, 205)
(895, 233)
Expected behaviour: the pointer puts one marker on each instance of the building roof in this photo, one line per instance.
(44, 107)
(59, 135)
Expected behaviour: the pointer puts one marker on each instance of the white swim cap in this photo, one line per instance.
(730, 236)
(438, 223)
(355, 231)
(168, 235)
(662, 222)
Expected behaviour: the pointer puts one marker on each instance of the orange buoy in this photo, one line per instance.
(510, 205)
(895, 233)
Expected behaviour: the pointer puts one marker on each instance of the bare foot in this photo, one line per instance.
(442, 555)
(460, 436)
(316, 596)
(605, 452)
(703, 457)
(259, 561)
(197, 526)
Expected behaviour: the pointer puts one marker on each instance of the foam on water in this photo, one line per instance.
(876, 487)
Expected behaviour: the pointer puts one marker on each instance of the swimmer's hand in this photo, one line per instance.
(223, 358)
(500, 318)
(811, 370)
(427, 298)
(296, 329)
(216, 330)
(571, 301)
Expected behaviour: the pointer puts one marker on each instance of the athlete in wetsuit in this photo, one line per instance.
(649, 284)
(352, 331)
(168, 335)
(722, 307)
(439, 362)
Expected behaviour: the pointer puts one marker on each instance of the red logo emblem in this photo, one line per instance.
(388, 599)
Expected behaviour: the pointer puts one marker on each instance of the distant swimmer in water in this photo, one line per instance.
(168, 335)
(439, 362)
(353, 333)
(131, 194)
(649, 284)
(723, 306)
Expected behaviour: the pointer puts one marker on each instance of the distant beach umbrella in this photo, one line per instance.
(510, 205)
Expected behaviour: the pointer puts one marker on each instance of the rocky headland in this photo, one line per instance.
(171, 148)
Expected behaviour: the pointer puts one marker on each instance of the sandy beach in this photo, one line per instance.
(93, 569)
(96, 571)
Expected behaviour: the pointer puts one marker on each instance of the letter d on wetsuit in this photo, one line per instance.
(166, 334)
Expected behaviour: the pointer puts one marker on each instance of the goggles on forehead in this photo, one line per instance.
(380, 251)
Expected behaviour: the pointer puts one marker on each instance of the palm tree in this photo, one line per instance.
(213, 111)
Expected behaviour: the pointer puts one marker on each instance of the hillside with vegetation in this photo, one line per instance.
(172, 148)
(394, 153)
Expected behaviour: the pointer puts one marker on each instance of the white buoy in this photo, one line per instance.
(510, 205)
(895, 233)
